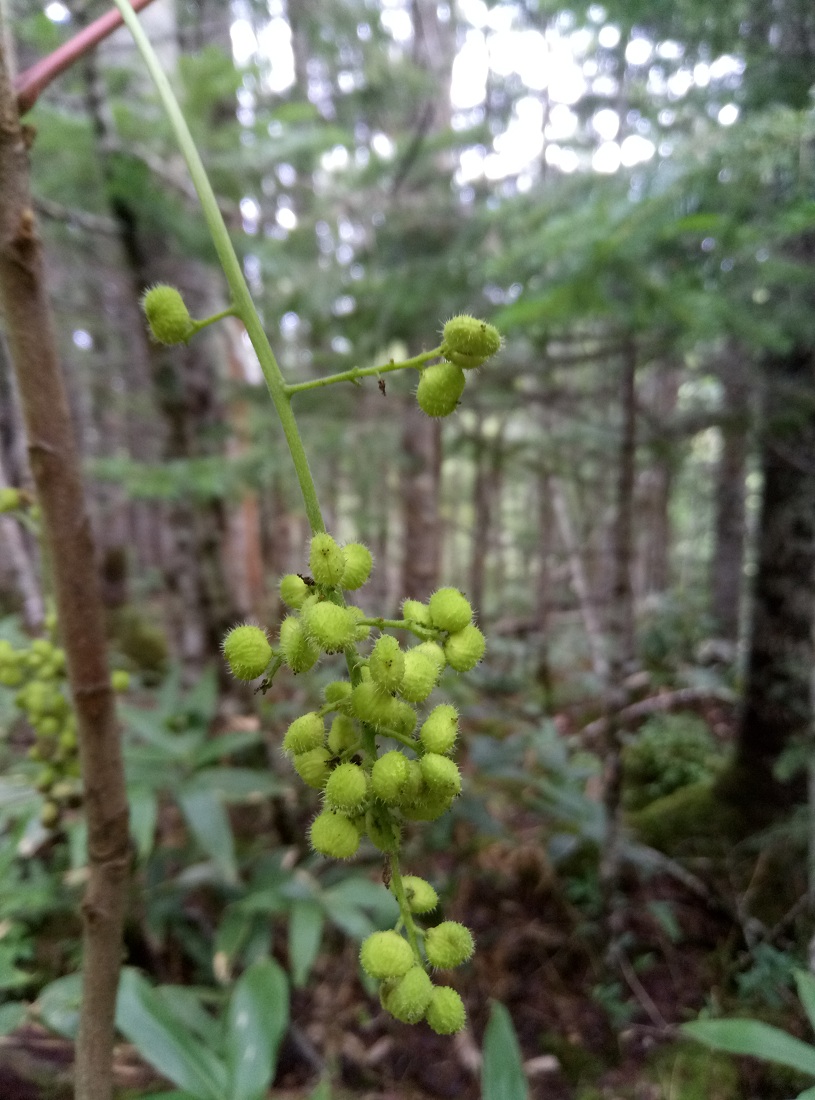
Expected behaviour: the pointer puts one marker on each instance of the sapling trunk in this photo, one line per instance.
(69, 546)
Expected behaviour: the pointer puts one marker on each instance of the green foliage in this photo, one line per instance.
(502, 1072)
(670, 751)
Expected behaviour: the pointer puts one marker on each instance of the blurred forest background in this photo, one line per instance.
(626, 495)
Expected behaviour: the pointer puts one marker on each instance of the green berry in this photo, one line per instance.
(429, 806)
(448, 945)
(441, 775)
(386, 955)
(407, 998)
(337, 692)
(383, 831)
(414, 785)
(420, 677)
(387, 663)
(167, 315)
(313, 768)
(440, 388)
(293, 590)
(440, 729)
(297, 651)
(416, 612)
(304, 734)
(358, 565)
(342, 735)
(445, 1013)
(247, 652)
(326, 560)
(347, 788)
(389, 776)
(450, 610)
(371, 704)
(468, 341)
(421, 896)
(334, 835)
(329, 627)
(465, 648)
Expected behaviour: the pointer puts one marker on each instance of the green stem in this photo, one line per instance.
(206, 321)
(426, 633)
(244, 307)
(356, 373)
(398, 888)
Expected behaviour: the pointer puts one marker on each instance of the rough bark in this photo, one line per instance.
(56, 470)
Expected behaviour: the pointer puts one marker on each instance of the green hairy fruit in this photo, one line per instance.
(297, 651)
(343, 734)
(386, 955)
(389, 776)
(440, 388)
(383, 832)
(421, 896)
(305, 733)
(408, 997)
(416, 612)
(445, 1013)
(329, 627)
(347, 788)
(247, 652)
(358, 565)
(387, 663)
(313, 767)
(167, 315)
(294, 591)
(448, 945)
(465, 648)
(334, 835)
(450, 609)
(337, 692)
(440, 729)
(420, 676)
(440, 774)
(469, 342)
(326, 560)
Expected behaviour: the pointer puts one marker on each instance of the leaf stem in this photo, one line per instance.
(355, 373)
(244, 307)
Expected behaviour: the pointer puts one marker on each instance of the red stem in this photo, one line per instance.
(29, 85)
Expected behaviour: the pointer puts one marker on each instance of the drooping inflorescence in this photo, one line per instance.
(378, 762)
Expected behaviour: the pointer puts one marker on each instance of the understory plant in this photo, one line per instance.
(360, 748)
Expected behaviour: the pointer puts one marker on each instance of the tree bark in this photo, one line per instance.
(421, 481)
(56, 470)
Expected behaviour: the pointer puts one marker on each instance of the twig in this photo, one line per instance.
(657, 704)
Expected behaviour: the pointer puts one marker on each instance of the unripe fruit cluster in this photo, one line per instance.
(36, 673)
(369, 788)
(466, 343)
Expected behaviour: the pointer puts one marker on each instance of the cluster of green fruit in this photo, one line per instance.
(37, 672)
(368, 788)
(466, 343)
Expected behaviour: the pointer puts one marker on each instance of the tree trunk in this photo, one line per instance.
(421, 482)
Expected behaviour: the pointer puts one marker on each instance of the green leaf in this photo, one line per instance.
(353, 921)
(257, 1019)
(58, 1005)
(753, 1038)
(807, 1094)
(146, 1021)
(235, 784)
(226, 745)
(185, 1005)
(502, 1072)
(143, 817)
(12, 1015)
(305, 935)
(806, 993)
(209, 824)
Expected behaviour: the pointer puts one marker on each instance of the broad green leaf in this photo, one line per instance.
(257, 1018)
(806, 993)
(226, 745)
(235, 784)
(185, 1004)
(502, 1072)
(58, 1005)
(11, 1016)
(263, 901)
(143, 817)
(305, 935)
(356, 890)
(353, 921)
(752, 1037)
(146, 1021)
(209, 823)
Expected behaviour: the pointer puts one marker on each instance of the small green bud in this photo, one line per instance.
(465, 648)
(342, 735)
(312, 767)
(402, 718)
(10, 500)
(358, 565)
(440, 729)
(448, 945)
(440, 774)
(337, 692)
(389, 776)
(386, 955)
(347, 788)
(416, 612)
(387, 663)
(440, 388)
(450, 610)
(247, 652)
(407, 999)
(420, 677)
(326, 560)
(435, 652)
(298, 652)
(167, 315)
(304, 734)
(334, 835)
(293, 590)
(329, 627)
(445, 1013)
(421, 896)
(468, 341)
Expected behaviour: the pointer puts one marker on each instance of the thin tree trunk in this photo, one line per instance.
(56, 469)
(421, 482)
